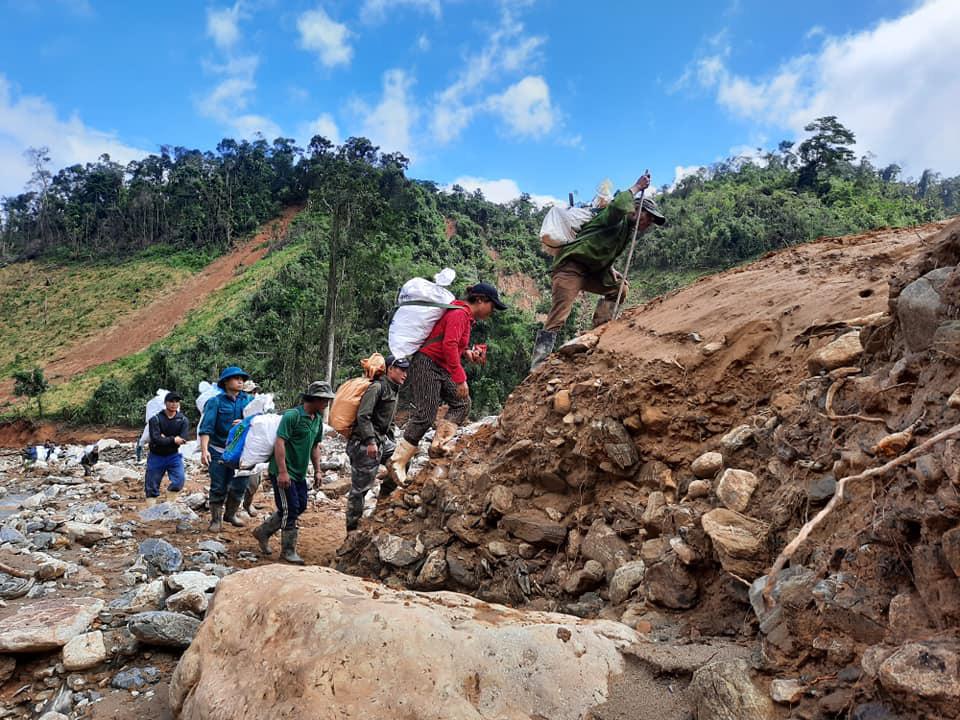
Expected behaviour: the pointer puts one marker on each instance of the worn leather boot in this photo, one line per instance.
(288, 545)
(230, 511)
(216, 517)
(263, 533)
(401, 457)
(542, 347)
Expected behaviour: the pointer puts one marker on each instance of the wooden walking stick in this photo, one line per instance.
(633, 245)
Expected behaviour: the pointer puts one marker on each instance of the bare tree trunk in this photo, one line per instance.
(339, 229)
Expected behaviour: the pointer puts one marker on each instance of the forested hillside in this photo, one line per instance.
(367, 227)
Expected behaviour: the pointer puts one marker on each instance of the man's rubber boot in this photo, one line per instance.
(398, 463)
(267, 528)
(354, 511)
(441, 444)
(387, 486)
(230, 511)
(248, 496)
(542, 347)
(216, 517)
(288, 544)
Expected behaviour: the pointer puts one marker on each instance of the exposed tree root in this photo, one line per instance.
(837, 498)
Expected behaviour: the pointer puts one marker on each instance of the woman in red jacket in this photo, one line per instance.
(436, 374)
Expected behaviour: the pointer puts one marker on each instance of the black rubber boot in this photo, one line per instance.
(230, 511)
(288, 545)
(354, 511)
(542, 347)
(216, 517)
(263, 533)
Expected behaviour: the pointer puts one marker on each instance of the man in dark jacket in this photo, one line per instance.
(587, 264)
(168, 430)
(371, 442)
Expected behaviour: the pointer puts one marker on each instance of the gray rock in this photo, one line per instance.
(873, 711)
(144, 597)
(163, 628)
(922, 669)
(920, 310)
(669, 584)
(212, 546)
(47, 624)
(625, 580)
(946, 339)
(12, 587)
(86, 534)
(723, 690)
(397, 551)
(169, 512)
(161, 555)
(195, 501)
(189, 600)
(91, 513)
(134, 678)
(434, 571)
(43, 540)
(737, 439)
(822, 489)
(584, 579)
(707, 465)
(11, 535)
(786, 691)
(534, 528)
(735, 488)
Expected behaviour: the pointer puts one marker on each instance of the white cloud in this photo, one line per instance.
(683, 171)
(329, 39)
(423, 42)
(223, 25)
(323, 125)
(525, 107)
(509, 49)
(500, 191)
(376, 10)
(895, 85)
(32, 121)
(389, 124)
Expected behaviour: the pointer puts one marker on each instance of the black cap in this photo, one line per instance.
(396, 362)
(489, 291)
(173, 397)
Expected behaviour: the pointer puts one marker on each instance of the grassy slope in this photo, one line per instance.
(91, 297)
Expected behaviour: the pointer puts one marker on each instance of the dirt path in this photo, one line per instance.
(138, 330)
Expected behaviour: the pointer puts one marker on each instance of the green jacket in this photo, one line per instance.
(601, 239)
(378, 406)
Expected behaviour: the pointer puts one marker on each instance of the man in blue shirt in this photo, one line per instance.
(221, 413)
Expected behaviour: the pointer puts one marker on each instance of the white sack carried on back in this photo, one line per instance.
(262, 403)
(560, 226)
(154, 405)
(258, 445)
(411, 324)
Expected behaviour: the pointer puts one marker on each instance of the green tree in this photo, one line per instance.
(31, 383)
(824, 150)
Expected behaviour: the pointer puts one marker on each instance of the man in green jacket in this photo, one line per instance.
(371, 443)
(587, 263)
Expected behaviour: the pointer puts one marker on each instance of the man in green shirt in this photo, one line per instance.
(298, 442)
(587, 263)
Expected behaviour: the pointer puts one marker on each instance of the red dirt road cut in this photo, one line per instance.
(139, 330)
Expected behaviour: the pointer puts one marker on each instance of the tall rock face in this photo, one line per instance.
(316, 643)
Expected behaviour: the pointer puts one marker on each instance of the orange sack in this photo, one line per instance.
(343, 411)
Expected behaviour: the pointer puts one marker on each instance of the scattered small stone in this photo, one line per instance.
(584, 579)
(161, 555)
(923, 669)
(845, 350)
(737, 439)
(84, 651)
(735, 488)
(433, 574)
(707, 465)
(822, 489)
(213, 546)
(723, 690)
(578, 345)
(397, 551)
(47, 624)
(8, 665)
(786, 691)
(86, 534)
(168, 512)
(625, 580)
(698, 489)
(133, 678)
(163, 628)
(562, 402)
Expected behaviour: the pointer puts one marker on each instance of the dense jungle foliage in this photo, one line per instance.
(366, 228)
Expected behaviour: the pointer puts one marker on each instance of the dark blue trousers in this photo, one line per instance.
(291, 501)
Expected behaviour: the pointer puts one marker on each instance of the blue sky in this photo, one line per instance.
(543, 96)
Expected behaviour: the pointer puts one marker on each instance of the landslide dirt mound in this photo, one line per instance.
(796, 371)
(139, 330)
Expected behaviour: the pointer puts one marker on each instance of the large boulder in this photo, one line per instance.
(350, 648)
(47, 624)
(920, 308)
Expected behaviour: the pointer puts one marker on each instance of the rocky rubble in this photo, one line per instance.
(636, 477)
